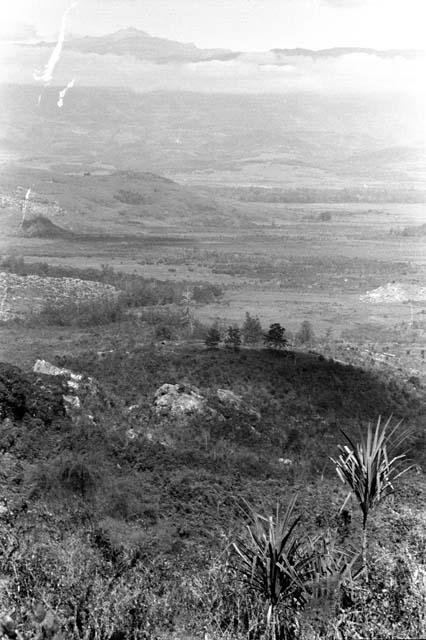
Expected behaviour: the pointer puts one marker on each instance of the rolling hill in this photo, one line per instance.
(119, 202)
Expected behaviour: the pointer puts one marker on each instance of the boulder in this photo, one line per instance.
(44, 367)
(77, 388)
(230, 399)
(178, 400)
(72, 404)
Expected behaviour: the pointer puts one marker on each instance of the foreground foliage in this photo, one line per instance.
(370, 467)
(116, 523)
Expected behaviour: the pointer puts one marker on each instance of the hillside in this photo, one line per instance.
(126, 516)
(301, 139)
(125, 202)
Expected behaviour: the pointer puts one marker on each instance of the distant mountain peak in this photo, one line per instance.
(142, 45)
(128, 32)
(336, 52)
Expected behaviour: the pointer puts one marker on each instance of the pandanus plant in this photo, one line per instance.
(275, 562)
(285, 567)
(370, 468)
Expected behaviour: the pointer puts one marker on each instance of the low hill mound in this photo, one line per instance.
(122, 202)
(42, 227)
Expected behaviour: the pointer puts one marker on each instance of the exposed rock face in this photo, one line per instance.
(178, 400)
(230, 399)
(76, 383)
(42, 366)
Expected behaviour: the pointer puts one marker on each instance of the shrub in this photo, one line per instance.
(233, 338)
(130, 197)
(306, 334)
(69, 472)
(80, 314)
(272, 562)
(252, 330)
(275, 337)
(286, 569)
(325, 216)
(165, 332)
(213, 337)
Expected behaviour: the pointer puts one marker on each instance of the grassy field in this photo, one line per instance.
(284, 262)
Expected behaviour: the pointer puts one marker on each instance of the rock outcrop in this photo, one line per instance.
(229, 399)
(178, 400)
(76, 384)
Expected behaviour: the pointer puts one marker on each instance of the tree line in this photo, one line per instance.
(252, 333)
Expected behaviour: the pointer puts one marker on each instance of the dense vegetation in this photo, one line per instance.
(119, 522)
(138, 298)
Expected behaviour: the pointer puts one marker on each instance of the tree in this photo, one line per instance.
(306, 334)
(370, 468)
(251, 330)
(213, 337)
(233, 338)
(275, 337)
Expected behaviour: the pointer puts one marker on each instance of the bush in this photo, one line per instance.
(213, 337)
(306, 334)
(80, 314)
(275, 337)
(252, 332)
(165, 332)
(233, 338)
(136, 291)
(325, 216)
(69, 472)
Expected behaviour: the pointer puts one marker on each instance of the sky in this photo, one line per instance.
(253, 26)
(243, 25)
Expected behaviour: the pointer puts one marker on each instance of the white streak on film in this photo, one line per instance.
(63, 93)
(25, 205)
(47, 74)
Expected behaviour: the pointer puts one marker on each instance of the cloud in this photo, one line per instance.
(249, 73)
(18, 32)
(348, 4)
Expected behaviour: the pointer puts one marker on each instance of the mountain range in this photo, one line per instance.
(141, 45)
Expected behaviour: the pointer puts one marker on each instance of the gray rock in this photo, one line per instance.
(231, 399)
(177, 400)
(44, 367)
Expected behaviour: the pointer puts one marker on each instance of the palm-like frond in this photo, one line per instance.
(329, 567)
(272, 558)
(371, 467)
